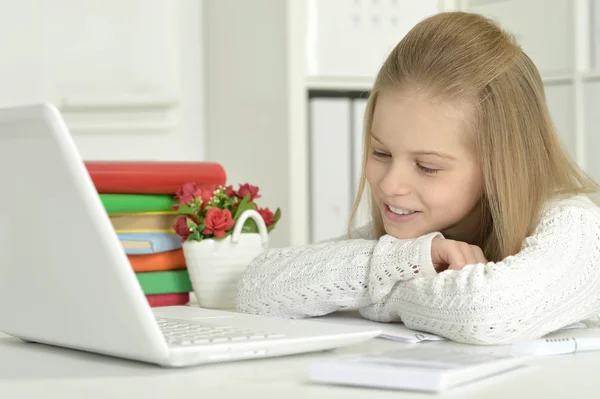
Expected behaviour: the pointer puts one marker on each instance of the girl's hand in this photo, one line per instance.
(454, 255)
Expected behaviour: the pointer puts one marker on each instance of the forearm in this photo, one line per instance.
(318, 279)
(489, 315)
(554, 281)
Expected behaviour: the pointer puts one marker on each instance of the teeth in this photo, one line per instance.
(400, 211)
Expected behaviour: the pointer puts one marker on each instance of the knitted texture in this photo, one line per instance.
(552, 282)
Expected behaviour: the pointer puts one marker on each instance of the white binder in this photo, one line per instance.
(359, 107)
(330, 167)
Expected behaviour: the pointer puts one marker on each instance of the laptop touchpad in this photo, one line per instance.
(189, 313)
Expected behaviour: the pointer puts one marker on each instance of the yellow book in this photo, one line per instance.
(144, 222)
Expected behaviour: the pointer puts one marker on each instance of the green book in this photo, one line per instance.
(134, 203)
(165, 282)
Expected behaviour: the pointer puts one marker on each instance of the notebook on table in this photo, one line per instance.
(393, 331)
(419, 368)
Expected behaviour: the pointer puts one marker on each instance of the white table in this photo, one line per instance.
(39, 371)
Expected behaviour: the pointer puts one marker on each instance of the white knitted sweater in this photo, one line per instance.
(552, 282)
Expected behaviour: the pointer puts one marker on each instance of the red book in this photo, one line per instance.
(152, 177)
(157, 300)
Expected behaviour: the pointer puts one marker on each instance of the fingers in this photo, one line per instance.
(440, 267)
(479, 256)
(456, 254)
(459, 255)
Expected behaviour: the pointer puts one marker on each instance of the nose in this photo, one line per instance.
(397, 180)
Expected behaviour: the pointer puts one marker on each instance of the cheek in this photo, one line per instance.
(467, 191)
(472, 183)
(372, 172)
(457, 193)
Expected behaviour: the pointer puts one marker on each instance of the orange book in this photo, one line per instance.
(159, 261)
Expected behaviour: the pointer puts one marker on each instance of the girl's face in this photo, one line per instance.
(422, 167)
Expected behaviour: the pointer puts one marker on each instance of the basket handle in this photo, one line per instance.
(262, 227)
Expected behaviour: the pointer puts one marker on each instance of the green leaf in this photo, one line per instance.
(228, 203)
(244, 205)
(195, 236)
(190, 223)
(185, 209)
(276, 217)
(239, 210)
(250, 227)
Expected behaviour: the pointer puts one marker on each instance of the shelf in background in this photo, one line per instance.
(591, 76)
(558, 78)
(359, 83)
(339, 83)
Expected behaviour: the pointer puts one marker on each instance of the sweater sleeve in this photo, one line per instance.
(552, 282)
(318, 279)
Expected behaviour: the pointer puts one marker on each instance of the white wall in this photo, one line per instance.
(248, 115)
(127, 74)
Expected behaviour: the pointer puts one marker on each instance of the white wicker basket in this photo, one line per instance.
(215, 266)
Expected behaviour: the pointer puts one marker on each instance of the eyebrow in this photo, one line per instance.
(434, 153)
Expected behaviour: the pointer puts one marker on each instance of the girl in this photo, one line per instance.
(482, 230)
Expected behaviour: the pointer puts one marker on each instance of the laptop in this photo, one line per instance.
(65, 279)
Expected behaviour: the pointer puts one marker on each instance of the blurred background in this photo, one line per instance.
(274, 90)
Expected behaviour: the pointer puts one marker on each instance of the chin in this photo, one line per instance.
(402, 235)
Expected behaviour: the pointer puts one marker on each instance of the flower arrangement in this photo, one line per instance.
(212, 213)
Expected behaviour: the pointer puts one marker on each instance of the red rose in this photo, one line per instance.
(267, 216)
(186, 193)
(181, 228)
(205, 195)
(248, 189)
(217, 222)
(230, 192)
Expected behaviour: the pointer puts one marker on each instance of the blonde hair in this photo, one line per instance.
(466, 57)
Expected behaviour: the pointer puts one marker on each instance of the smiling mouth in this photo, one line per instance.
(399, 215)
(400, 211)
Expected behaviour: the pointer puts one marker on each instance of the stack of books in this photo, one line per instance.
(138, 197)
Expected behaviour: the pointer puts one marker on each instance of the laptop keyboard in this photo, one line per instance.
(178, 332)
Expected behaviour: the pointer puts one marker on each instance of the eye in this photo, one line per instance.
(379, 154)
(427, 170)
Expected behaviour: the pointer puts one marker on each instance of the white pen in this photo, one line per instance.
(556, 346)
